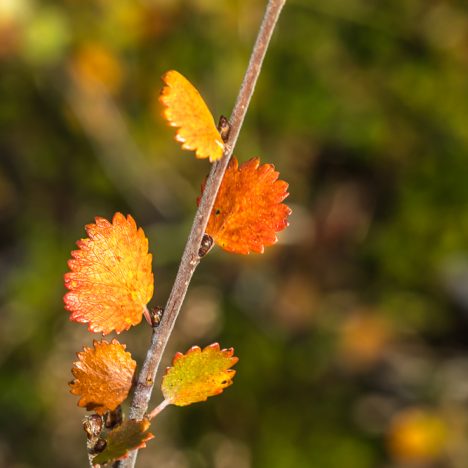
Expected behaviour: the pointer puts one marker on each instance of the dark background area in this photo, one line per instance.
(352, 330)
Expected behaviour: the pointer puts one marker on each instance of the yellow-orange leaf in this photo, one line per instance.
(130, 435)
(198, 374)
(186, 109)
(103, 376)
(248, 211)
(110, 281)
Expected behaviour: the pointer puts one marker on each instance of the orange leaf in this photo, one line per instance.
(103, 376)
(198, 374)
(186, 109)
(110, 281)
(248, 211)
(130, 435)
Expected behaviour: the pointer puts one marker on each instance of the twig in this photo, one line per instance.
(190, 257)
(158, 409)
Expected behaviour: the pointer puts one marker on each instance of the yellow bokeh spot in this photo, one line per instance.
(364, 338)
(95, 66)
(416, 435)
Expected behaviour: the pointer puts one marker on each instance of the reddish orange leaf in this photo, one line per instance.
(130, 435)
(103, 376)
(186, 109)
(248, 211)
(110, 281)
(198, 374)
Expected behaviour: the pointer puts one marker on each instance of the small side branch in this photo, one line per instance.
(190, 257)
(158, 409)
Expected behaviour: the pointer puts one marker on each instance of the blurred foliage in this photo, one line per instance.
(351, 332)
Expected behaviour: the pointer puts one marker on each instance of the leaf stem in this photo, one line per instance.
(190, 258)
(158, 409)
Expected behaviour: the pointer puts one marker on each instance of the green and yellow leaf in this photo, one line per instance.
(198, 374)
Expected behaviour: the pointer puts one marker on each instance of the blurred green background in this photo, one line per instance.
(352, 332)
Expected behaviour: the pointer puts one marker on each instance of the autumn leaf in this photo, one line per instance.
(248, 211)
(198, 374)
(110, 281)
(103, 376)
(186, 109)
(130, 435)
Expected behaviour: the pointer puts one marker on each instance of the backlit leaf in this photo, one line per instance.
(103, 376)
(248, 211)
(186, 109)
(198, 374)
(130, 435)
(110, 281)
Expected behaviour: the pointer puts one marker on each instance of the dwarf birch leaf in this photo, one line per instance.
(110, 281)
(103, 376)
(130, 435)
(198, 374)
(186, 109)
(248, 212)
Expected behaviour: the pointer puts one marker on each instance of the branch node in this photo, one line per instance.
(156, 315)
(205, 246)
(224, 128)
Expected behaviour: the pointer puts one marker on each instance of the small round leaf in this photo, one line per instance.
(198, 374)
(110, 281)
(103, 376)
(248, 212)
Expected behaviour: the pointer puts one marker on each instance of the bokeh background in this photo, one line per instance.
(352, 332)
